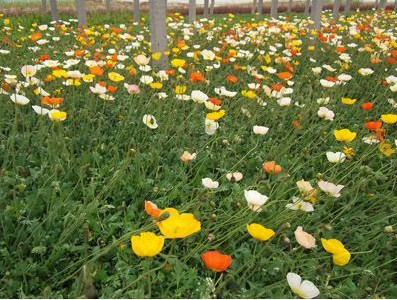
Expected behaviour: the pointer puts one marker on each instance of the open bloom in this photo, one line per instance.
(330, 188)
(187, 156)
(199, 96)
(326, 113)
(335, 157)
(304, 289)
(98, 89)
(178, 225)
(259, 232)
(19, 99)
(389, 118)
(211, 127)
(57, 115)
(271, 167)
(255, 200)
(209, 183)
(340, 255)
(216, 261)
(147, 244)
(306, 240)
(305, 188)
(150, 121)
(299, 204)
(262, 130)
(344, 135)
(235, 176)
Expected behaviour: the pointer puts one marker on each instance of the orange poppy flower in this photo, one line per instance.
(79, 52)
(391, 60)
(51, 101)
(152, 209)
(96, 70)
(35, 36)
(376, 60)
(116, 30)
(44, 57)
(271, 167)
(49, 78)
(114, 57)
(277, 87)
(170, 72)
(196, 77)
(296, 124)
(102, 83)
(216, 101)
(216, 261)
(394, 53)
(375, 125)
(331, 78)
(231, 79)
(340, 49)
(379, 133)
(6, 86)
(367, 106)
(111, 88)
(284, 75)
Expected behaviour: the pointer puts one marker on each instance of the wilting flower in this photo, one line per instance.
(259, 232)
(235, 176)
(178, 225)
(304, 289)
(271, 167)
(152, 209)
(335, 157)
(386, 148)
(147, 244)
(216, 261)
(299, 204)
(209, 183)
(304, 239)
(57, 115)
(325, 113)
(330, 188)
(341, 256)
(187, 156)
(389, 118)
(19, 99)
(150, 121)
(305, 188)
(344, 135)
(262, 130)
(255, 200)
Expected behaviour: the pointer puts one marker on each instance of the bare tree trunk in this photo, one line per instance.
(108, 5)
(158, 28)
(260, 6)
(313, 9)
(137, 12)
(212, 7)
(318, 9)
(81, 12)
(44, 5)
(274, 9)
(395, 4)
(192, 11)
(336, 9)
(382, 4)
(376, 4)
(307, 8)
(254, 6)
(205, 12)
(347, 7)
(54, 10)
(289, 5)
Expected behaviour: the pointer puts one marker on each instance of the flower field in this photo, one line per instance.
(260, 164)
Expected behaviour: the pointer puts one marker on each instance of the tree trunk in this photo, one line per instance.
(212, 7)
(254, 6)
(336, 9)
(192, 11)
(307, 8)
(318, 10)
(313, 9)
(108, 5)
(376, 4)
(347, 7)
(54, 10)
(382, 4)
(260, 6)
(81, 12)
(44, 5)
(274, 9)
(158, 31)
(137, 12)
(395, 4)
(206, 5)
(289, 5)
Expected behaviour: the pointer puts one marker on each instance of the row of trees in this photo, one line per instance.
(158, 10)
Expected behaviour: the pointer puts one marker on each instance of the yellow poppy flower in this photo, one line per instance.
(386, 148)
(60, 73)
(178, 63)
(156, 85)
(147, 244)
(259, 232)
(180, 89)
(156, 56)
(214, 116)
(341, 258)
(344, 135)
(389, 118)
(88, 78)
(116, 77)
(332, 245)
(178, 225)
(349, 152)
(57, 115)
(249, 94)
(348, 101)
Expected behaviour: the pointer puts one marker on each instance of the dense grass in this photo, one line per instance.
(72, 193)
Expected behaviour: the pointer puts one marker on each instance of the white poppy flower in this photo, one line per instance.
(255, 200)
(224, 92)
(284, 101)
(19, 99)
(208, 55)
(326, 83)
(146, 79)
(336, 157)
(393, 87)
(304, 289)
(28, 70)
(262, 130)
(209, 183)
(40, 110)
(150, 121)
(299, 204)
(235, 176)
(316, 70)
(329, 68)
(344, 77)
(365, 71)
(142, 60)
(323, 101)
(199, 96)
(304, 239)
(326, 113)
(371, 140)
(106, 97)
(211, 126)
(330, 188)
(98, 89)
